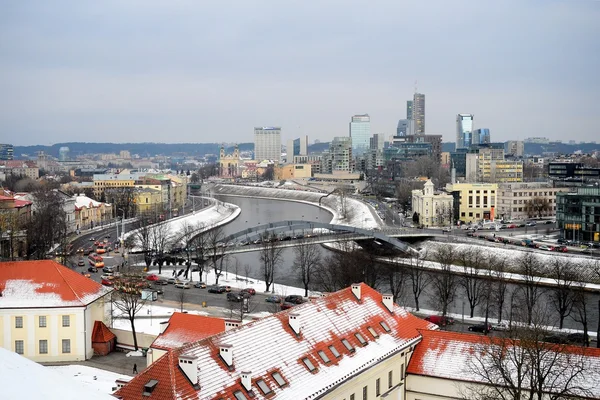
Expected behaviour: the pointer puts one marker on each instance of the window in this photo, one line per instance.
(66, 321)
(239, 395)
(372, 332)
(402, 371)
(352, 396)
(389, 380)
(347, 345)
(18, 322)
(385, 326)
(377, 387)
(43, 347)
(263, 386)
(66, 345)
(323, 356)
(42, 321)
(19, 347)
(308, 364)
(365, 390)
(279, 379)
(361, 339)
(334, 351)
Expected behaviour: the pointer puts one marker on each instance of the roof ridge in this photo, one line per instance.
(55, 265)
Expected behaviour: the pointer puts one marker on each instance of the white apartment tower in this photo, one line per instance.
(267, 144)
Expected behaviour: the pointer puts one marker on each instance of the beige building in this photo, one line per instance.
(476, 201)
(518, 201)
(506, 171)
(293, 171)
(433, 209)
(90, 213)
(47, 311)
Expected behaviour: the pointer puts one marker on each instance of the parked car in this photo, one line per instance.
(183, 285)
(440, 320)
(93, 269)
(294, 299)
(161, 282)
(152, 277)
(561, 248)
(234, 297)
(483, 328)
(81, 262)
(250, 291)
(171, 280)
(106, 282)
(286, 305)
(216, 289)
(273, 299)
(500, 326)
(108, 269)
(200, 285)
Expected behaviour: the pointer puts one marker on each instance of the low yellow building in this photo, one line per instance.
(148, 201)
(506, 171)
(90, 213)
(47, 311)
(476, 201)
(293, 171)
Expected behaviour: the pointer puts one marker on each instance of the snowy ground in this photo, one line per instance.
(95, 379)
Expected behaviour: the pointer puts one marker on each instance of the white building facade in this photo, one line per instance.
(433, 209)
(267, 144)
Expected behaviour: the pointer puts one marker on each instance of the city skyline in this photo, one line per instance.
(106, 72)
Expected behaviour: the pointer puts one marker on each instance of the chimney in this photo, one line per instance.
(294, 319)
(356, 290)
(247, 380)
(163, 327)
(231, 324)
(189, 366)
(226, 353)
(388, 302)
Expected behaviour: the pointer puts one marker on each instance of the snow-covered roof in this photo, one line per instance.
(84, 201)
(270, 345)
(22, 378)
(187, 328)
(45, 284)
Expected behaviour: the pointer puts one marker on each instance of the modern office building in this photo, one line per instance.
(434, 140)
(578, 214)
(267, 144)
(464, 131)
(360, 132)
(339, 157)
(409, 109)
(570, 171)
(519, 201)
(516, 148)
(377, 141)
(6, 151)
(506, 171)
(418, 113)
(405, 127)
(296, 147)
(481, 136)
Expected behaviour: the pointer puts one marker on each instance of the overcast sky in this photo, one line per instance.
(209, 71)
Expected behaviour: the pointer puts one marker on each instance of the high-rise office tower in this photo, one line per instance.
(418, 113)
(267, 144)
(405, 127)
(409, 109)
(6, 151)
(296, 147)
(481, 136)
(360, 132)
(377, 141)
(464, 131)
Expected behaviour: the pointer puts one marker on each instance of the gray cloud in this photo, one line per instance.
(197, 71)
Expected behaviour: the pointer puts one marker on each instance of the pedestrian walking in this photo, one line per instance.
(135, 369)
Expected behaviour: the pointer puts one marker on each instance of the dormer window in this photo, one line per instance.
(264, 388)
(361, 339)
(323, 356)
(279, 379)
(372, 332)
(385, 326)
(239, 395)
(334, 351)
(347, 345)
(308, 364)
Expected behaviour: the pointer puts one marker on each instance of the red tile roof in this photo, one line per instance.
(269, 344)
(187, 328)
(45, 283)
(101, 334)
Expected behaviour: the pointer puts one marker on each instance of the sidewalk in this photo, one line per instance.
(116, 362)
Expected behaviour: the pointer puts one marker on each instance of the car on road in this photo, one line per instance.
(500, 326)
(92, 239)
(81, 262)
(88, 250)
(234, 297)
(286, 305)
(216, 289)
(545, 247)
(531, 223)
(200, 285)
(447, 229)
(249, 290)
(152, 277)
(159, 291)
(172, 280)
(93, 269)
(440, 320)
(482, 328)
(228, 289)
(273, 299)
(161, 282)
(106, 282)
(294, 298)
(561, 248)
(183, 285)
(108, 269)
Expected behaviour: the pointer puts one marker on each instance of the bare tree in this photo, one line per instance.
(562, 296)
(48, 225)
(270, 256)
(396, 277)
(444, 281)
(181, 297)
(340, 269)
(160, 239)
(580, 314)
(143, 235)
(216, 251)
(499, 284)
(529, 267)
(471, 281)
(307, 258)
(126, 298)
(419, 278)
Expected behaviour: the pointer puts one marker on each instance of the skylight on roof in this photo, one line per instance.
(334, 351)
(308, 364)
(372, 332)
(264, 388)
(347, 344)
(239, 395)
(385, 326)
(279, 379)
(323, 356)
(360, 338)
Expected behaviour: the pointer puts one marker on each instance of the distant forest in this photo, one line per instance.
(200, 149)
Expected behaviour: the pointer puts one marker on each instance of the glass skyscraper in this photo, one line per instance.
(481, 136)
(464, 131)
(360, 132)
(418, 113)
